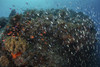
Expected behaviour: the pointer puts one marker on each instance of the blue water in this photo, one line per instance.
(88, 7)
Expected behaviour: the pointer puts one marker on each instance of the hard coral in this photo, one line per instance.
(15, 44)
(54, 35)
(4, 61)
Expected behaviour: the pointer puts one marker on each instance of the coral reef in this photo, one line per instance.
(3, 22)
(13, 12)
(15, 44)
(4, 61)
(50, 38)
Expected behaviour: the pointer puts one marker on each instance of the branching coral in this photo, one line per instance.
(4, 61)
(15, 44)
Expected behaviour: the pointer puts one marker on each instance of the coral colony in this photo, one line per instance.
(47, 38)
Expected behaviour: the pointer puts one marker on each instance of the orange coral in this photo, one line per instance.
(14, 56)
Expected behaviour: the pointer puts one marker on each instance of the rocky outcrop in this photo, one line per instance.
(55, 38)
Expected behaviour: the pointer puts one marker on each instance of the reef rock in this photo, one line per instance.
(52, 38)
(13, 12)
(3, 22)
